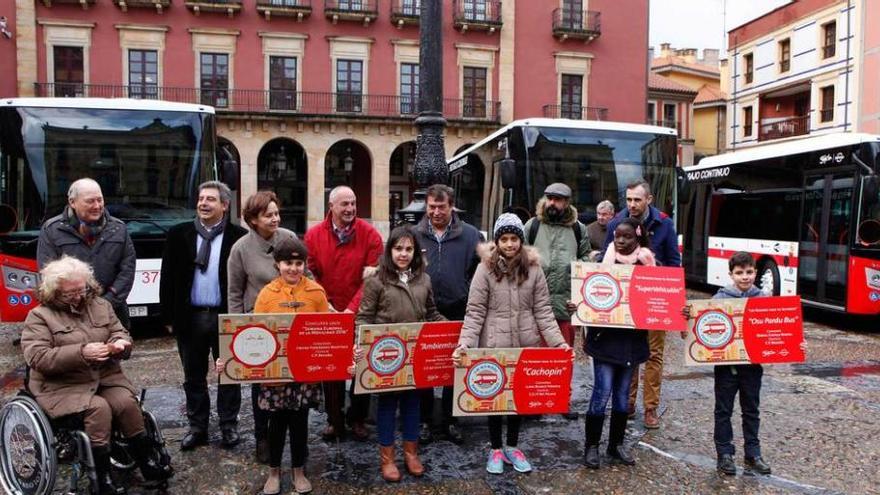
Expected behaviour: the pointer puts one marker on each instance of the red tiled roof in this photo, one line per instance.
(657, 82)
(673, 62)
(709, 94)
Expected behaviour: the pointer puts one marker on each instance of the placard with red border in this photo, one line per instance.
(512, 381)
(282, 347)
(406, 356)
(628, 296)
(757, 330)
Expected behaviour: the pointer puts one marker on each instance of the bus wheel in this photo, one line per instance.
(768, 278)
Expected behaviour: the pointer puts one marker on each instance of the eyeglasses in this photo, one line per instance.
(71, 294)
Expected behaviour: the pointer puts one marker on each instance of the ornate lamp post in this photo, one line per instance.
(430, 164)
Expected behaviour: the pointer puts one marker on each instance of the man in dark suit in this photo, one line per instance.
(192, 293)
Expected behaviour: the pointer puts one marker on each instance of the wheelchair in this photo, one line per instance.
(32, 446)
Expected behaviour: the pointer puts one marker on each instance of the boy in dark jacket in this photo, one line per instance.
(742, 378)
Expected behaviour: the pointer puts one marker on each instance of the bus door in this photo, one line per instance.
(824, 239)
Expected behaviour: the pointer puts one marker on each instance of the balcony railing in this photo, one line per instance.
(784, 65)
(828, 51)
(301, 9)
(85, 3)
(667, 123)
(159, 5)
(482, 15)
(577, 25)
(230, 7)
(826, 115)
(575, 112)
(351, 10)
(279, 101)
(795, 126)
(405, 12)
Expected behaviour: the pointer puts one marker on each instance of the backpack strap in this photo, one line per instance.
(533, 231)
(578, 235)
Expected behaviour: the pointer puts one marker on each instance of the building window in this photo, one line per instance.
(829, 47)
(409, 89)
(349, 85)
(282, 83)
(784, 55)
(474, 92)
(827, 112)
(749, 61)
(68, 70)
(570, 98)
(747, 121)
(411, 7)
(652, 112)
(351, 5)
(215, 79)
(669, 116)
(475, 10)
(573, 14)
(143, 74)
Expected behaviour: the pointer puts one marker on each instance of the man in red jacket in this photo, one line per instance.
(340, 248)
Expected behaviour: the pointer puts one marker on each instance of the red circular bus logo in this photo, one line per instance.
(601, 292)
(714, 329)
(387, 355)
(485, 379)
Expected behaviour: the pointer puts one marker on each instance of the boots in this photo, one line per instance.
(102, 471)
(616, 450)
(389, 468)
(142, 449)
(411, 458)
(593, 428)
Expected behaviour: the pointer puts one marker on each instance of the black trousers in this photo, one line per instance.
(334, 403)
(745, 380)
(495, 423)
(261, 416)
(294, 423)
(195, 345)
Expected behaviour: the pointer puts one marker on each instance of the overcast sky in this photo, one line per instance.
(702, 23)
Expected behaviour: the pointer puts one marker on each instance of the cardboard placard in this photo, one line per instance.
(512, 381)
(279, 347)
(757, 330)
(628, 296)
(405, 356)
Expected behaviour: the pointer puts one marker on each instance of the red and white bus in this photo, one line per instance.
(807, 210)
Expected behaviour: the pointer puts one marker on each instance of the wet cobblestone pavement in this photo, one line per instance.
(819, 431)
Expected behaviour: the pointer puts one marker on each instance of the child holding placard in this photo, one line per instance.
(617, 353)
(398, 292)
(744, 379)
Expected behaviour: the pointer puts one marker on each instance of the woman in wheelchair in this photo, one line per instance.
(72, 343)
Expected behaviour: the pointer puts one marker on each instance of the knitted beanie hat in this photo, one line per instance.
(289, 250)
(509, 223)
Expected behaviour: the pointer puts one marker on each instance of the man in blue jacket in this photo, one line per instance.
(449, 246)
(664, 243)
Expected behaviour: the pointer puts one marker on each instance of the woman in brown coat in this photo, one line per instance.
(399, 292)
(508, 307)
(72, 343)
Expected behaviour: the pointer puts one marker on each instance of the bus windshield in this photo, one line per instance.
(148, 164)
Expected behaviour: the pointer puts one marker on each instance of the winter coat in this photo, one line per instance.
(558, 247)
(620, 346)
(250, 267)
(451, 261)
(52, 341)
(112, 256)
(178, 272)
(731, 292)
(396, 302)
(502, 314)
(338, 267)
(661, 229)
(280, 297)
(597, 234)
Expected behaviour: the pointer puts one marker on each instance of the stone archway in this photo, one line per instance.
(282, 167)
(349, 163)
(400, 180)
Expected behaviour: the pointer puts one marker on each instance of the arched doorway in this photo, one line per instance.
(348, 163)
(400, 180)
(282, 167)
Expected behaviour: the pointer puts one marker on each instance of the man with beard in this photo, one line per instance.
(560, 239)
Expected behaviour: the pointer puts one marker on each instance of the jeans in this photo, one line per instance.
(386, 416)
(298, 424)
(745, 379)
(610, 381)
(194, 345)
(513, 423)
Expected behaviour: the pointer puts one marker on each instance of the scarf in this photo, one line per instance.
(90, 231)
(204, 253)
(641, 255)
(344, 234)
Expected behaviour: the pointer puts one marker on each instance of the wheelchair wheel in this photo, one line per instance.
(27, 455)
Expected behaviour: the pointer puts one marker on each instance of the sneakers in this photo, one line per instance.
(513, 455)
(495, 464)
